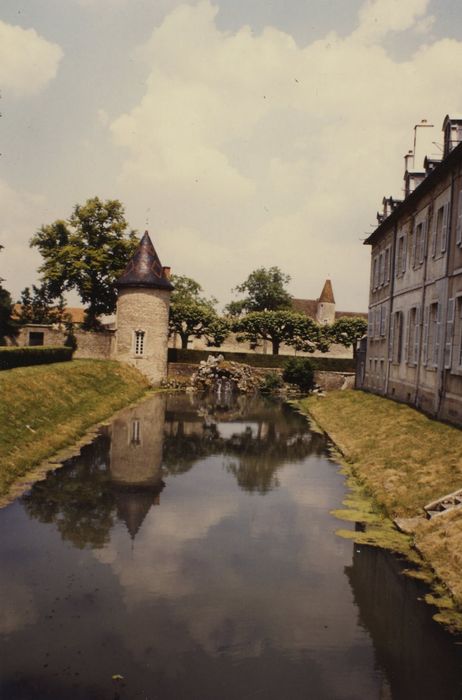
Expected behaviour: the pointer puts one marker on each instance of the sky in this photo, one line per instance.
(240, 134)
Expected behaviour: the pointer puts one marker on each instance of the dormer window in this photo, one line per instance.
(139, 342)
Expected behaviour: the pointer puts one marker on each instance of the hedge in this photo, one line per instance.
(327, 364)
(24, 356)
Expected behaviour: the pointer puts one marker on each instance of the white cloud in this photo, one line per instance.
(254, 151)
(22, 214)
(27, 61)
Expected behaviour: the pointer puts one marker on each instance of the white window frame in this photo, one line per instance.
(139, 342)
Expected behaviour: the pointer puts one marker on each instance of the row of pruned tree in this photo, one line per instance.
(89, 250)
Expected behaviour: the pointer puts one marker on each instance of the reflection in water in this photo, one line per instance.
(400, 624)
(190, 549)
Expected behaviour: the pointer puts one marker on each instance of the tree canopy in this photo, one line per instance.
(265, 291)
(87, 252)
(194, 315)
(39, 307)
(8, 328)
(279, 327)
(347, 330)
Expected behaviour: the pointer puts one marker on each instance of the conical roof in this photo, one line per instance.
(327, 294)
(144, 269)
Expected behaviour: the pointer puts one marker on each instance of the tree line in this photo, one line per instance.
(87, 253)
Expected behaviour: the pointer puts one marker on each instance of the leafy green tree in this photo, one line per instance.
(299, 371)
(8, 327)
(265, 291)
(193, 315)
(347, 330)
(282, 326)
(39, 306)
(87, 253)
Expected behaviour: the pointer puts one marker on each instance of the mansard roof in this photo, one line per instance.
(145, 269)
(327, 294)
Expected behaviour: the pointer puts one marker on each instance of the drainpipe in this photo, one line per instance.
(390, 306)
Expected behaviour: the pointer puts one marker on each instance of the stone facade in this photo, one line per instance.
(143, 311)
(414, 344)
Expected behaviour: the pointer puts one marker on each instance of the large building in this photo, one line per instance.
(414, 343)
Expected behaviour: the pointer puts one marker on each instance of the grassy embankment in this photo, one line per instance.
(47, 407)
(398, 461)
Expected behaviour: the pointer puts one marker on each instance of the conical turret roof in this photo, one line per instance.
(145, 269)
(327, 294)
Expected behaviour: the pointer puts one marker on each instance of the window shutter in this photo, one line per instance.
(444, 230)
(391, 338)
(423, 241)
(417, 335)
(370, 323)
(436, 353)
(434, 231)
(425, 335)
(387, 263)
(381, 269)
(406, 331)
(414, 246)
(459, 220)
(377, 323)
(449, 334)
(404, 254)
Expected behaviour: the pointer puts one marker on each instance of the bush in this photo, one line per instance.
(271, 383)
(43, 355)
(299, 371)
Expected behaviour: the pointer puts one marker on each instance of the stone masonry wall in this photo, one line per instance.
(98, 346)
(147, 310)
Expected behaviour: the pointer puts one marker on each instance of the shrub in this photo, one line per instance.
(271, 383)
(299, 371)
(22, 357)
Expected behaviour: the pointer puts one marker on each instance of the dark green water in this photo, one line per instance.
(190, 550)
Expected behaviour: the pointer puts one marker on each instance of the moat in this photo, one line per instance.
(189, 553)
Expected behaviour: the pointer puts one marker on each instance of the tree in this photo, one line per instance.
(38, 307)
(193, 315)
(8, 328)
(282, 326)
(299, 371)
(347, 330)
(265, 290)
(87, 253)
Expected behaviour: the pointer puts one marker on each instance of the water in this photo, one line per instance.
(189, 551)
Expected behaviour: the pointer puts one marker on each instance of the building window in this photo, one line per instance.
(458, 334)
(449, 334)
(383, 320)
(139, 342)
(413, 336)
(36, 337)
(375, 273)
(396, 339)
(418, 246)
(432, 323)
(440, 230)
(136, 432)
(459, 220)
(387, 265)
(401, 252)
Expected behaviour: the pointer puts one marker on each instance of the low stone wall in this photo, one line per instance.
(332, 381)
(95, 346)
(50, 336)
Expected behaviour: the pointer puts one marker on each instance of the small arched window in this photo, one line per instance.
(139, 342)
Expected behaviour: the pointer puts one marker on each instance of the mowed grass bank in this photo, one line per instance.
(404, 460)
(47, 407)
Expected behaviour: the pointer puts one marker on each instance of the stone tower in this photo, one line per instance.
(142, 313)
(325, 310)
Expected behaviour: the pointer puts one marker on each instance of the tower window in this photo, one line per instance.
(139, 342)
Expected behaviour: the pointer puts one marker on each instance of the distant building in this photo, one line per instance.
(414, 343)
(323, 310)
